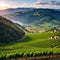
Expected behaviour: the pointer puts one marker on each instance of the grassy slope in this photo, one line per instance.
(33, 42)
(9, 32)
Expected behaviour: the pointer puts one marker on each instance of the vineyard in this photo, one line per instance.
(38, 44)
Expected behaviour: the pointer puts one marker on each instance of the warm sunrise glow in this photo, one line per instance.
(3, 6)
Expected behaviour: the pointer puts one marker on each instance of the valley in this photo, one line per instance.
(36, 20)
(38, 35)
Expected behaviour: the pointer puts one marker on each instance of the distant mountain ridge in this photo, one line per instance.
(13, 10)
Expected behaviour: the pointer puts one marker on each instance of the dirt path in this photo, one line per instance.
(51, 57)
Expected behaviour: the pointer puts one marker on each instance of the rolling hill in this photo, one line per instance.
(37, 44)
(46, 18)
(9, 32)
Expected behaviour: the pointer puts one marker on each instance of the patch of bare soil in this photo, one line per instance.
(50, 57)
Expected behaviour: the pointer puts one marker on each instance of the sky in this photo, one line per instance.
(29, 3)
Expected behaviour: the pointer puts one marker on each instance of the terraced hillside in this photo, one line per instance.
(9, 32)
(37, 19)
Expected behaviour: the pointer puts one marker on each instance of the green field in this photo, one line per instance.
(33, 45)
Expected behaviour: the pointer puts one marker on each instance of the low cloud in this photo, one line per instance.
(39, 5)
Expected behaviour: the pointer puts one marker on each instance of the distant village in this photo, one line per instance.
(55, 36)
